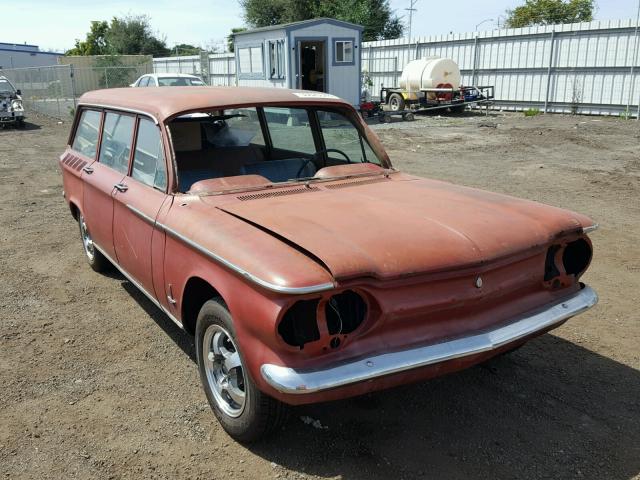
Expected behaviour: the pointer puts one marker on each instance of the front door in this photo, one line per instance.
(312, 65)
(138, 244)
(102, 177)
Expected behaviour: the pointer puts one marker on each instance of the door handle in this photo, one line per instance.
(88, 170)
(121, 187)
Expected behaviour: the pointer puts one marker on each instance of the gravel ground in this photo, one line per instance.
(97, 383)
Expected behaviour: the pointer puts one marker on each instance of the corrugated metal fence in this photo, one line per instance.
(582, 67)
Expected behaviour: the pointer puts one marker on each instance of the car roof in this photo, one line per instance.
(165, 103)
(174, 75)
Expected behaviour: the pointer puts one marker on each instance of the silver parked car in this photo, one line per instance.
(168, 80)
(11, 108)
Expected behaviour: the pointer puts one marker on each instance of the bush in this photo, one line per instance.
(532, 112)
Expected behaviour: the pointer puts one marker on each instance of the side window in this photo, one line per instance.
(339, 133)
(87, 133)
(117, 134)
(144, 81)
(290, 129)
(152, 82)
(148, 160)
(344, 51)
(276, 59)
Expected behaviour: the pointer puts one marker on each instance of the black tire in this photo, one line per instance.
(458, 109)
(260, 415)
(20, 124)
(396, 102)
(96, 260)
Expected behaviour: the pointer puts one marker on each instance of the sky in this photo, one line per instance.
(55, 25)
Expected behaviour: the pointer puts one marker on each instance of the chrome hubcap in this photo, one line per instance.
(224, 371)
(87, 243)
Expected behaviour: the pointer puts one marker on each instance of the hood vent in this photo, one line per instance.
(359, 181)
(277, 193)
(73, 162)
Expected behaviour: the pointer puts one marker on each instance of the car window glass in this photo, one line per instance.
(236, 128)
(144, 81)
(148, 160)
(339, 133)
(290, 129)
(87, 133)
(116, 141)
(179, 82)
(151, 82)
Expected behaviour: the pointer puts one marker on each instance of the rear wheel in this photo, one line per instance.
(396, 102)
(244, 412)
(97, 261)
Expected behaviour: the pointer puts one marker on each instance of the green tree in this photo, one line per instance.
(186, 49)
(376, 16)
(132, 35)
(95, 42)
(549, 12)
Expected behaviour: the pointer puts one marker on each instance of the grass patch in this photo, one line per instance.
(532, 112)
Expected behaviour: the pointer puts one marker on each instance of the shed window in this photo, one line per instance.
(276, 59)
(250, 60)
(344, 51)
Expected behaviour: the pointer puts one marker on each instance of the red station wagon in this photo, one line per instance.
(270, 224)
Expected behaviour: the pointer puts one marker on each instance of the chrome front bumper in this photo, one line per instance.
(291, 381)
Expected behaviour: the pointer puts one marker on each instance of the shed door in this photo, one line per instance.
(311, 64)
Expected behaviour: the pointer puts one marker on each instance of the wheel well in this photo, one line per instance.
(74, 210)
(196, 292)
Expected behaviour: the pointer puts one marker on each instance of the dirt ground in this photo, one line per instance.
(96, 383)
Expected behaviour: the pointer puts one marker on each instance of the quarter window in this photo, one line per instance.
(144, 81)
(151, 82)
(344, 51)
(148, 159)
(87, 133)
(115, 148)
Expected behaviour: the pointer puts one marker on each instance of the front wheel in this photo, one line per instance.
(396, 102)
(244, 412)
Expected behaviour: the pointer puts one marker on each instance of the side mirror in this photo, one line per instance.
(18, 92)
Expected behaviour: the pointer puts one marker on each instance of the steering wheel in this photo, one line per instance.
(317, 154)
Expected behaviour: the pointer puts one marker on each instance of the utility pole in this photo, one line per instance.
(411, 9)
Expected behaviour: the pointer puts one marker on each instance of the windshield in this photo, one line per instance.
(271, 144)
(179, 82)
(6, 87)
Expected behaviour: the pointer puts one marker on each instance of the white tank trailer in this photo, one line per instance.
(424, 83)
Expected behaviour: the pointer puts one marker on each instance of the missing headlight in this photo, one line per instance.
(576, 257)
(345, 312)
(299, 325)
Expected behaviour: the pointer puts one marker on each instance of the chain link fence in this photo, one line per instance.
(54, 91)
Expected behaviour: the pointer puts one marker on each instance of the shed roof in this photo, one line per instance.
(166, 102)
(302, 24)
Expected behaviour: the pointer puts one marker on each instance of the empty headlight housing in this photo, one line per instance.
(566, 262)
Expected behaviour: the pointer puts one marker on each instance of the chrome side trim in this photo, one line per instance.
(590, 228)
(291, 381)
(124, 109)
(142, 215)
(140, 287)
(249, 276)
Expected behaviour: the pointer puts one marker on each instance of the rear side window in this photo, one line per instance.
(144, 81)
(115, 148)
(152, 82)
(148, 160)
(87, 133)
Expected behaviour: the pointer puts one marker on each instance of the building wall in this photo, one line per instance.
(21, 56)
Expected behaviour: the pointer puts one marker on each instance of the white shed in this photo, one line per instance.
(321, 54)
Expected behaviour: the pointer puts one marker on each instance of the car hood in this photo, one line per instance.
(401, 225)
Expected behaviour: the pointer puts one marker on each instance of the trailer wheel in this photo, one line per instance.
(458, 108)
(408, 117)
(396, 102)
(386, 118)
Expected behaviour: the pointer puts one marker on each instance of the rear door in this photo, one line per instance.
(101, 179)
(139, 246)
